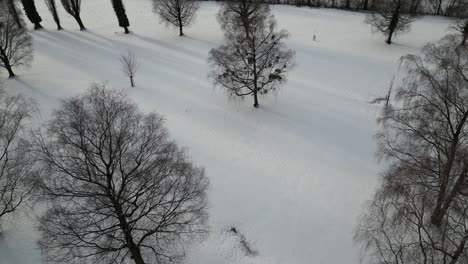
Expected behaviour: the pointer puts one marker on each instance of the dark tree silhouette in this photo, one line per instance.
(251, 62)
(32, 14)
(15, 43)
(52, 6)
(420, 211)
(121, 15)
(390, 18)
(16, 165)
(73, 7)
(119, 189)
(178, 13)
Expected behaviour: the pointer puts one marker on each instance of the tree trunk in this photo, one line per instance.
(57, 21)
(126, 230)
(181, 33)
(393, 23)
(255, 99)
(438, 214)
(124, 226)
(9, 69)
(365, 5)
(389, 39)
(126, 30)
(132, 247)
(80, 23)
(131, 81)
(6, 62)
(37, 26)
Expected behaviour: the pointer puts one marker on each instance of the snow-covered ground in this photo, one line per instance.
(292, 175)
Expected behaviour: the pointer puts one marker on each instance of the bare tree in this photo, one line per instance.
(14, 12)
(251, 62)
(129, 66)
(16, 165)
(15, 43)
(73, 7)
(179, 13)
(390, 18)
(420, 212)
(52, 6)
(119, 189)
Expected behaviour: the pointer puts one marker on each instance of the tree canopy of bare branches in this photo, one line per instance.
(178, 13)
(52, 6)
(129, 66)
(16, 164)
(11, 5)
(119, 189)
(390, 18)
(448, 7)
(15, 43)
(73, 7)
(243, 15)
(420, 212)
(254, 59)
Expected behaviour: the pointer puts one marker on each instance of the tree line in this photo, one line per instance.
(450, 8)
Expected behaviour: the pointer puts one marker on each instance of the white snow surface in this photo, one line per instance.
(293, 175)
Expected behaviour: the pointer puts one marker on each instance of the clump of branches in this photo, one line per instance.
(118, 188)
(16, 163)
(420, 212)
